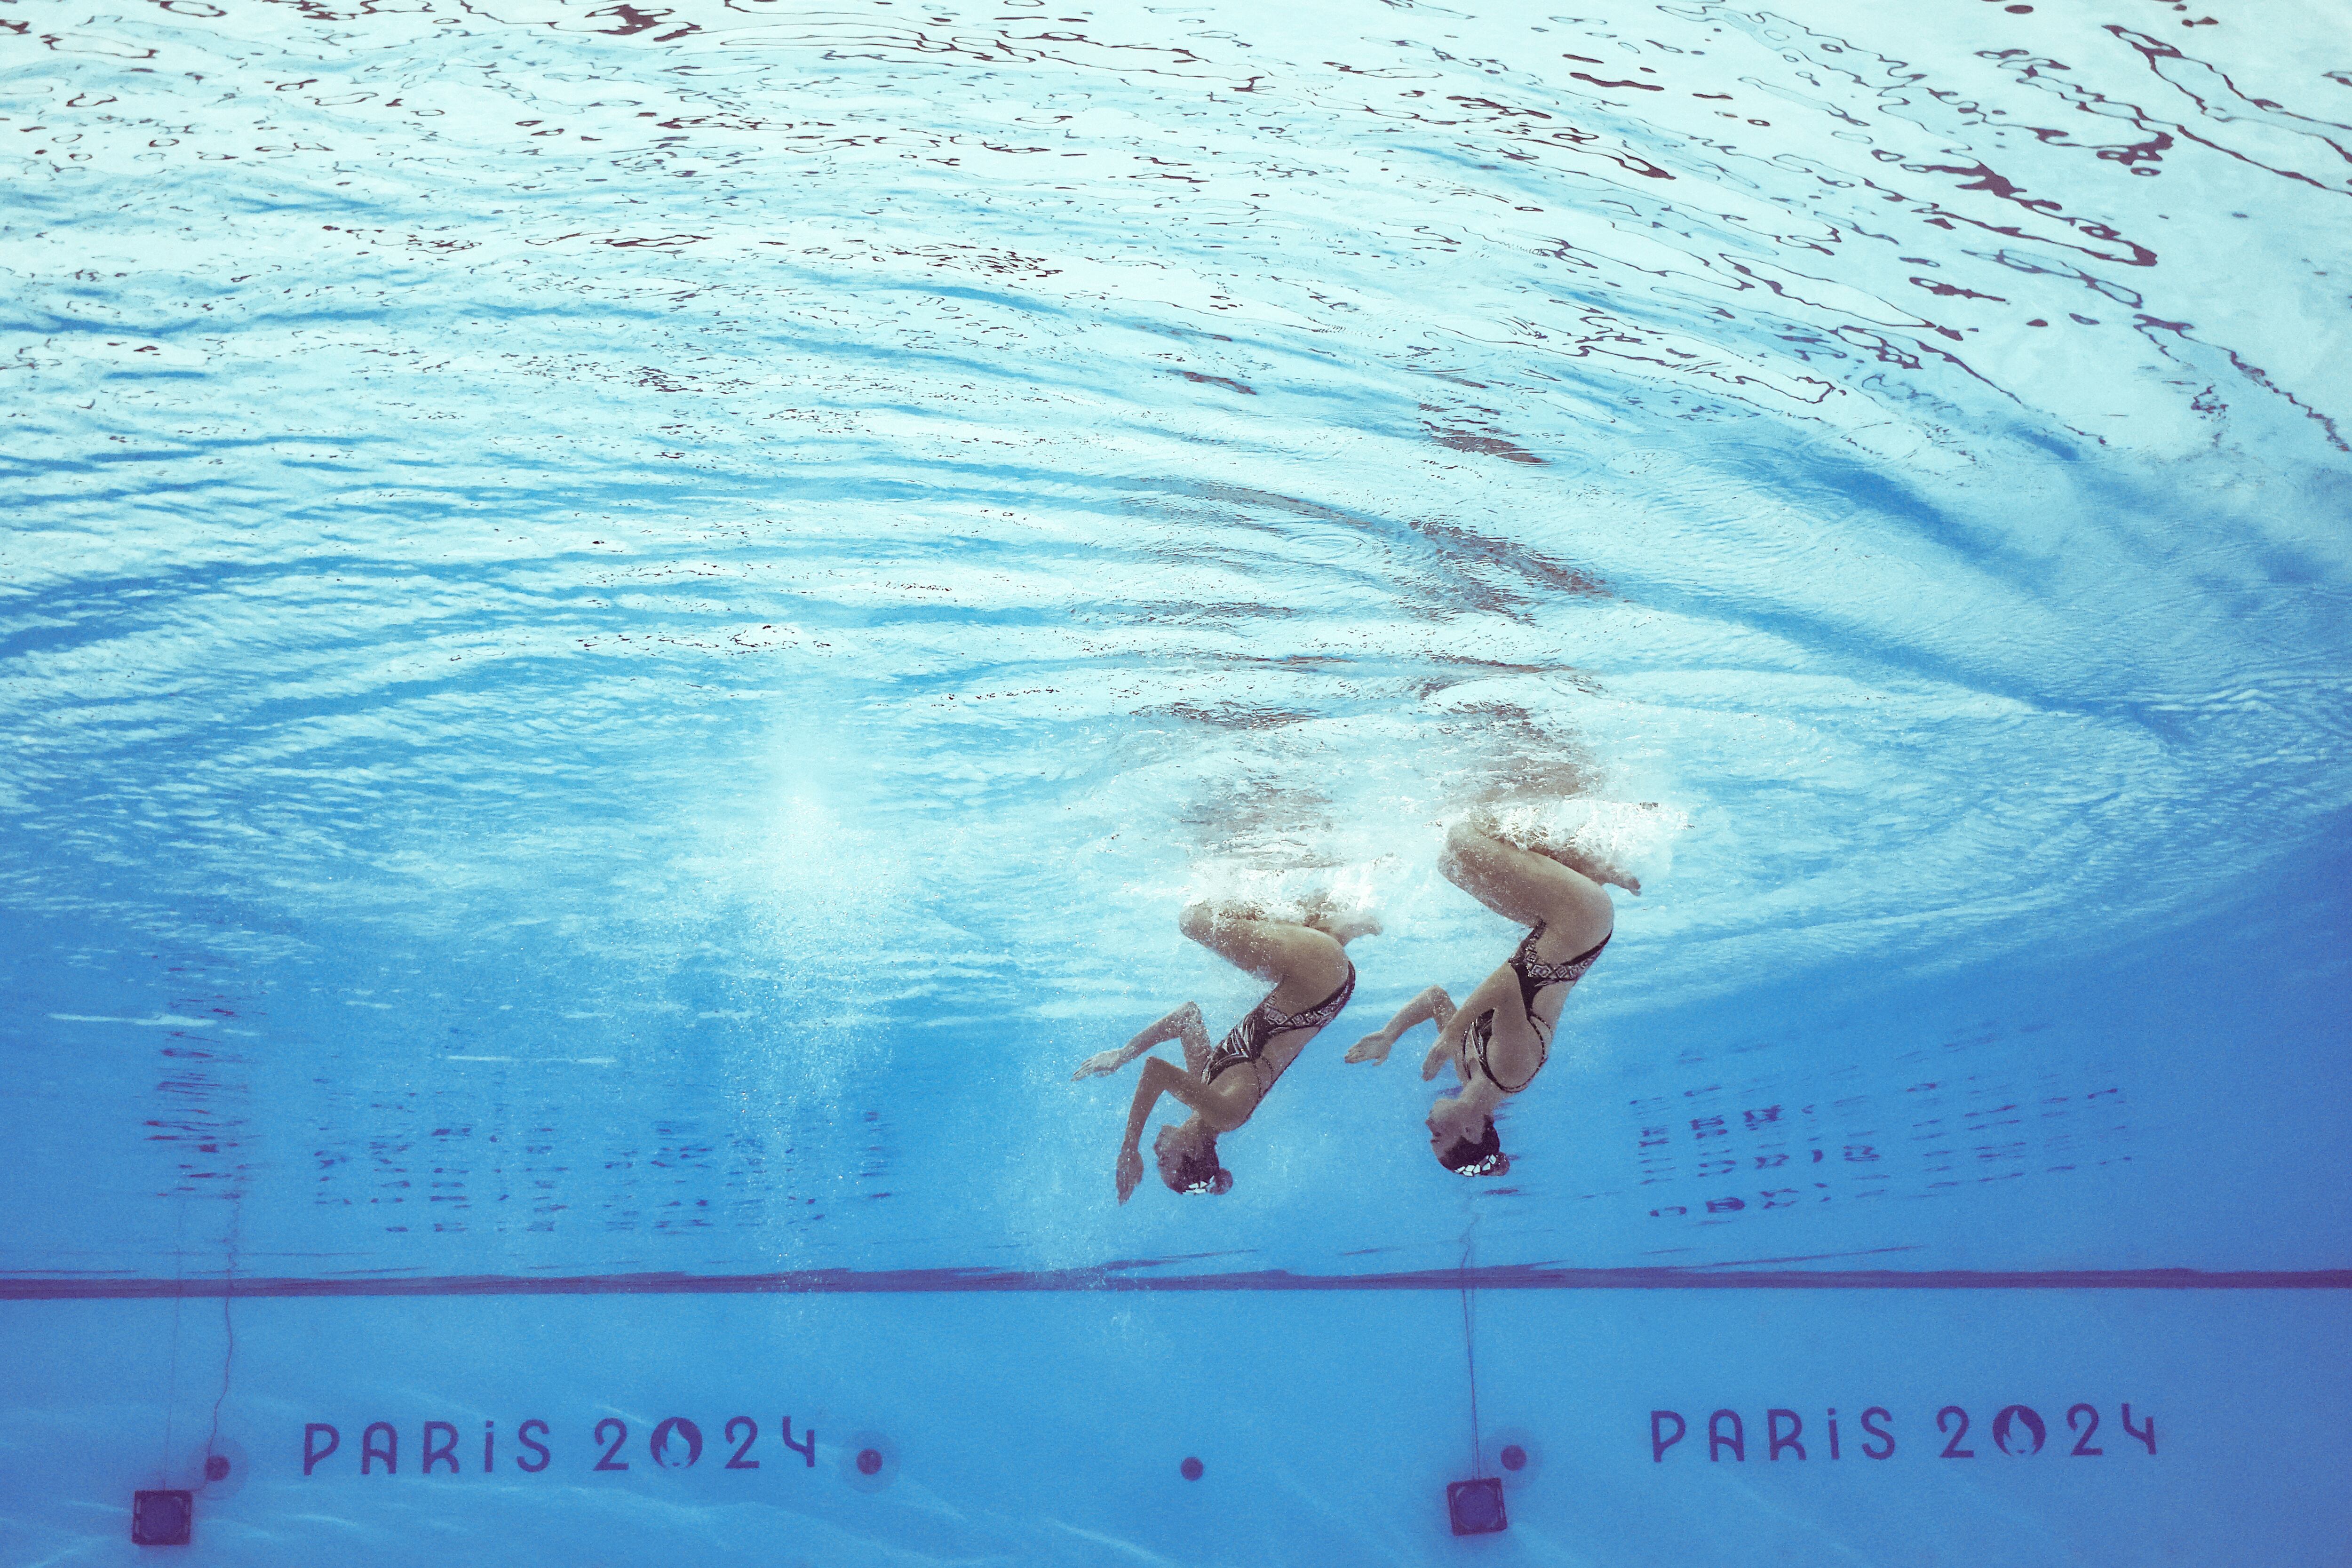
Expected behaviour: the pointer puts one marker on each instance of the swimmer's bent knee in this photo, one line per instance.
(1468, 835)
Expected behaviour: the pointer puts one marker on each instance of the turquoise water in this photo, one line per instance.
(624, 628)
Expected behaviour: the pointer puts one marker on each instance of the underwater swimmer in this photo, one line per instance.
(1224, 1084)
(1498, 1037)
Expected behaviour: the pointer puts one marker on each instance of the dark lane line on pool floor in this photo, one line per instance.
(916, 1281)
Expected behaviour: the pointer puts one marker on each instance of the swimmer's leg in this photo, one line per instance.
(1527, 888)
(1323, 916)
(1577, 859)
(1304, 964)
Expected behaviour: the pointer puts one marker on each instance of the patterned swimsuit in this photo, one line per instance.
(1261, 1024)
(1534, 975)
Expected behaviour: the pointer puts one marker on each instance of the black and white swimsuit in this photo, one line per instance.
(1261, 1024)
(1534, 975)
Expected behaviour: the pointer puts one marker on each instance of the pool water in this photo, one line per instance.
(625, 627)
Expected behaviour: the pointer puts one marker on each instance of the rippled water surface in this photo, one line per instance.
(625, 626)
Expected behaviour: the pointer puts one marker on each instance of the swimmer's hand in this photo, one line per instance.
(1372, 1047)
(1439, 1055)
(1099, 1064)
(1130, 1171)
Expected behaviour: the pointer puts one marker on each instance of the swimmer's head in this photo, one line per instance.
(1466, 1156)
(1188, 1161)
(1462, 1135)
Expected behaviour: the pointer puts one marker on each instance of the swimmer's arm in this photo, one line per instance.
(1430, 1004)
(1166, 1077)
(1159, 1077)
(1479, 1093)
(1493, 991)
(1183, 1024)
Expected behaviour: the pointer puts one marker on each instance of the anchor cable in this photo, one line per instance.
(228, 1329)
(1470, 1354)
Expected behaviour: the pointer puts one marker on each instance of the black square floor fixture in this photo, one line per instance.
(160, 1518)
(1477, 1506)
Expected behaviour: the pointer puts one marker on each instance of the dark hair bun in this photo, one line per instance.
(1484, 1158)
(1199, 1174)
